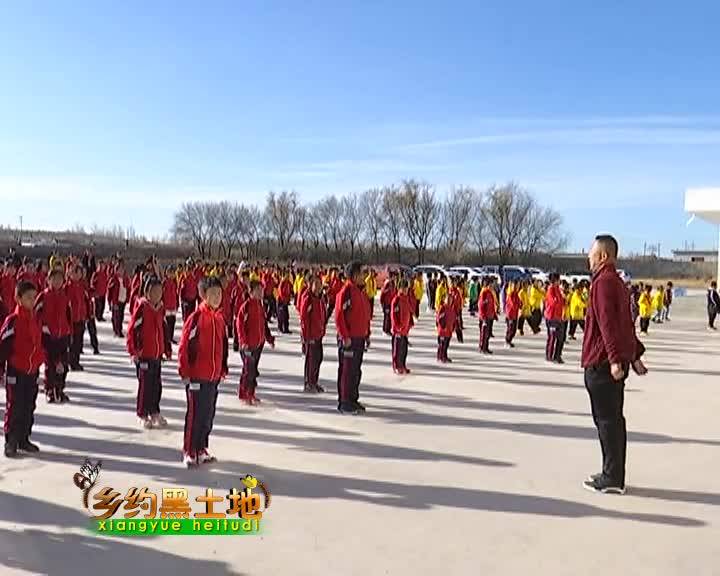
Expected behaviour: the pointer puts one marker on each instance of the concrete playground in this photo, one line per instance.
(474, 468)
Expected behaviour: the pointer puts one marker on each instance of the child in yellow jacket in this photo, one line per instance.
(578, 305)
(646, 309)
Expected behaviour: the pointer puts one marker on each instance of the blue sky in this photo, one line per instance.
(115, 114)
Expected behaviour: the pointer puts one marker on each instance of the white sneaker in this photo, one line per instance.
(158, 421)
(190, 461)
(146, 423)
(206, 458)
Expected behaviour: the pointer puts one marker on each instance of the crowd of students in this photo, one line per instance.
(47, 307)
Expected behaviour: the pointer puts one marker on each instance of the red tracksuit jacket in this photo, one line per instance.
(99, 282)
(387, 293)
(512, 306)
(203, 351)
(401, 315)
(189, 287)
(52, 308)
(113, 290)
(285, 290)
(269, 285)
(21, 342)
(352, 312)
(313, 313)
(170, 295)
(78, 299)
(7, 291)
(252, 328)
(445, 321)
(487, 307)
(456, 299)
(554, 303)
(146, 332)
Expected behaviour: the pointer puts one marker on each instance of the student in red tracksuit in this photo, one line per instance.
(487, 312)
(41, 272)
(21, 355)
(312, 327)
(91, 318)
(334, 286)
(513, 306)
(99, 287)
(401, 320)
(118, 294)
(170, 301)
(52, 309)
(8, 282)
(78, 299)
(352, 320)
(283, 304)
(148, 343)
(554, 307)
(202, 363)
(457, 300)
(253, 332)
(445, 323)
(135, 287)
(387, 293)
(240, 294)
(188, 293)
(269, 283)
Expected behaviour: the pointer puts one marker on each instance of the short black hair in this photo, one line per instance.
(352, 268)
(23, 287)
(553, 277)
(609, 244)
(208, 282)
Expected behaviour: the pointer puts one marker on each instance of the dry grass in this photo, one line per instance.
(684, 282)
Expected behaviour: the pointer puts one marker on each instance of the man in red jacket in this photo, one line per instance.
(352, 320)
(52, 308)
(312, 327)
(253, 332)
(8, 281)
(21, 355)
(78, 299)
(202, 363)
(285, 289)
(401, 320)
(610, 349)
(554, 306)
(118, 294)
(99, 288)
(147, 344)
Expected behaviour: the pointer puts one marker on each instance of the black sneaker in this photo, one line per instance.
(603, 486)
(29, 447)
(96, 352)
(594, 477)
(64, 398)
(10, 450)
(360, 407)
(559, 361)
(319, 388)
(345, 409)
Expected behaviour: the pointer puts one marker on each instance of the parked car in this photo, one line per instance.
(575, 276)
(538, 274)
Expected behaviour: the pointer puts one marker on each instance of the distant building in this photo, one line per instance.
(695, 255)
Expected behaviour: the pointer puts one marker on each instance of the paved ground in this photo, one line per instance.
(473, 469)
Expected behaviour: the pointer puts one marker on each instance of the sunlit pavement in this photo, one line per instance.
(473, 468)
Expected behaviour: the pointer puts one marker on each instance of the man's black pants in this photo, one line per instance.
(573, 326)
(76, 342)
(21, 392)
(350, 372)
(283, 317)
(607, 397)
(201, 403)
(100, 308)
(92, 331)
(399, 351)
(313, 360)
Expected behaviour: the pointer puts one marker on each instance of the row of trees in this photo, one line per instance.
(504, 223)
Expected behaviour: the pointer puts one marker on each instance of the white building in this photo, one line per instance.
(705, 204)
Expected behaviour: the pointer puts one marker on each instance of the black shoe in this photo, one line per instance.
(50, 398)
(603, 485)
(64, 398)
(28, 447)
(175, 342)
(96, 352)
(360, 407)
(348, 409)
(309, 388)
(595, 477)
(559, 361)
(319, 389)
(10, 450)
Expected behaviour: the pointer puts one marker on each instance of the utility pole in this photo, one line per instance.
(20, 237)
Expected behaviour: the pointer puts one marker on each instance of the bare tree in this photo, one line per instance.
(371, 204)
(195, 224)
(330, 221)
(352, 221)
(281, 212)
(230, 222)
(419, 211)
(507, 210)
(252, 229)
(457, 217)
(479, 231)
(542, 233)
(393, 219)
